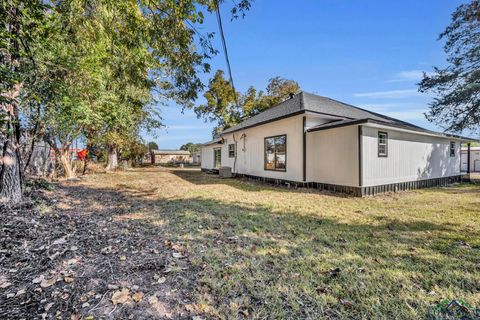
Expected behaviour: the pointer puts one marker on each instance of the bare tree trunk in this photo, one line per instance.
(66, 163)
(10, 161)
(112, 161)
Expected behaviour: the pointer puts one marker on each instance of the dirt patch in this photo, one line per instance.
(69, 253)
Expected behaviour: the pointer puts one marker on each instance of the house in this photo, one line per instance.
(314, 141)
(473, 162)
(196, 157)
(170, 156)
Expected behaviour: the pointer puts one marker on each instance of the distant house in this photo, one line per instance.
(315, 141)
(196, 157)
(474, 159)
(170, 156)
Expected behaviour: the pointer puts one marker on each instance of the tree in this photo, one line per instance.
(221, 102)
(152, 146)
(221, 105)
(95, 69)
(456, 105)
(21, 25)
(191, 147)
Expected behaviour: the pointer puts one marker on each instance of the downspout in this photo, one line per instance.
(360, 165)
(304, 148)
(235, 157)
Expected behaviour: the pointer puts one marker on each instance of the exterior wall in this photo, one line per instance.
(411, 157)
(172, 158)
(196, 157)
(251, 151)
(207, 156)
(474, 160)
(332, 156)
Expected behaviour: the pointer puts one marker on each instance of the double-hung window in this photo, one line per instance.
(452, 148)
(382, 144)
(276, 153)
(231, 150)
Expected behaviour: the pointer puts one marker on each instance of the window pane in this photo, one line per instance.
(270, 153)
(381, 149)
(281, 160)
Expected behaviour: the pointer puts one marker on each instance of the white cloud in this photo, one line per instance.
(401, 111)
(188, 127)
(415, 114)
(185, 138)
(391, 94)
(407, 76)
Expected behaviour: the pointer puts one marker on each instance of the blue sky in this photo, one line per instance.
(368, 53)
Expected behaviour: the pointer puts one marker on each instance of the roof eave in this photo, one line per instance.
(392, 125)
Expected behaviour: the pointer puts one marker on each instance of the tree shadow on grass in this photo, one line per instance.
(256, 261)
(198, 177)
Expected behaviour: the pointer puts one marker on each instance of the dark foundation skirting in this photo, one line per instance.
(357, 191)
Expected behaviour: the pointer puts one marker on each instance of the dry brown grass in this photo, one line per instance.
(264, 252)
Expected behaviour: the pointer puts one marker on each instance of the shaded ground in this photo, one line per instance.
(182, 244)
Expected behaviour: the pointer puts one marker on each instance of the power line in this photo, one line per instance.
(224, 43)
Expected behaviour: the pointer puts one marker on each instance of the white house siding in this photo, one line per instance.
(207, 156)
(251, 150)
(410, 157)
(332, 156)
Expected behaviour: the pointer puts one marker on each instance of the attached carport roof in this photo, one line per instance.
(350, 122)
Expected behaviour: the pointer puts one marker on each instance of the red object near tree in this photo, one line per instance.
(82, 154)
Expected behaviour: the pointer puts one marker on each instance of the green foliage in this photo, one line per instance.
(135, 151)
(456, 105)
(43, 184)
(222, 105)
(96, 70)
(152, 146)
(191, 147)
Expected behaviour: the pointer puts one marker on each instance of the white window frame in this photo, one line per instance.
(452, 148)
(380, 144)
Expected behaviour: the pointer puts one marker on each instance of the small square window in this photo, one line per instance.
(231, 150)
(452, 148)
(382, 144)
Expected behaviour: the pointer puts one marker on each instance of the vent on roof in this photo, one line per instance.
(292, 95)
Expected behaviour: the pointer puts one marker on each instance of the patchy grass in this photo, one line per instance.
(263, 252)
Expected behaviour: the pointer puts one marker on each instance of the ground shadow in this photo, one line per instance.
(245, 259)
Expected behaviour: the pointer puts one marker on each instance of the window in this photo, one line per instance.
(231, 150)
(452, 148)
(217, 158)
(382, 144)
(276, 153)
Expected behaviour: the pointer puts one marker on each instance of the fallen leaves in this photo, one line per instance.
(45, 283)
(68, 279)
(121, 296)
(137, 296)
(177, 255)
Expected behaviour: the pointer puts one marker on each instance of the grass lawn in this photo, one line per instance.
(263, 252)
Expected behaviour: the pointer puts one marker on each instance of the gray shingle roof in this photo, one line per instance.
(307, 102)
(346, 115)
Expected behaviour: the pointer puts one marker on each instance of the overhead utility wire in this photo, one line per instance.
(224, 43)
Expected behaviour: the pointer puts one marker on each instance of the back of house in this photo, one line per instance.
(316, 141)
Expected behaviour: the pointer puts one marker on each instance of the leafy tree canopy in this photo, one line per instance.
(152, 146)
(191, 147)
(456, 105)
(221, 100)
